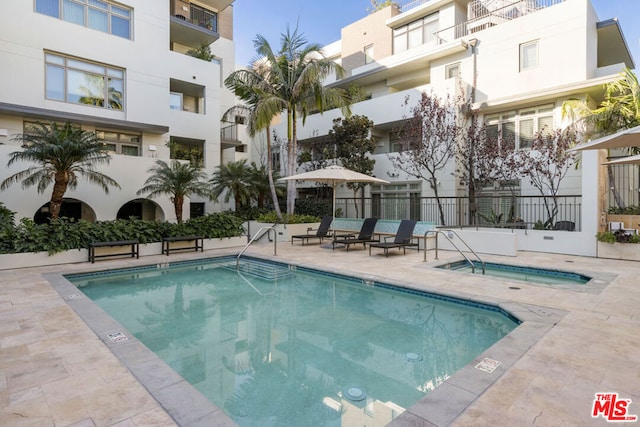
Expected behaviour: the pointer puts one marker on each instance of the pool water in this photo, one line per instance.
(273, 345)
(525, 274)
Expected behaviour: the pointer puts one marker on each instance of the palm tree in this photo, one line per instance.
(290, 80)
(252, 100)
(619, 110)
(177, 179)
(62, 154)
(233, 179)
(261, 185)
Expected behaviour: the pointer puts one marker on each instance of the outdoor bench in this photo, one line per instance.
(133, 249)
(198, 243)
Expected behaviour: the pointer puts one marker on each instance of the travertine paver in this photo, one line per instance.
(54, 371)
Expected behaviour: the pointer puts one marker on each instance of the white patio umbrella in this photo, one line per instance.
(624, 138)
(334, 175)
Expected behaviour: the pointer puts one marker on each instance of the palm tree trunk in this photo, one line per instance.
(178, 201)
(59, 188)
(291, 157)
(274, 195)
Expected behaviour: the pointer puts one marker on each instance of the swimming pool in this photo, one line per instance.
(274, 345)
(525, 274)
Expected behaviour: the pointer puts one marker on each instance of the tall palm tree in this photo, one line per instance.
(234, 180)
(250, 110)
(63, 154)
(619, 110)
(179, 180)
(291, 81)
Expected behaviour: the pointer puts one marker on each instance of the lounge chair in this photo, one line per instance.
(322, 232)
(365, 236)
(402, 239)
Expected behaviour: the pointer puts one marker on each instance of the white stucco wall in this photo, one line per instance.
(149, 64)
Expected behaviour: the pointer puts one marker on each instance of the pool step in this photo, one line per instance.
(265, 271)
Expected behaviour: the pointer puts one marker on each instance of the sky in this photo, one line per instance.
(321, 21)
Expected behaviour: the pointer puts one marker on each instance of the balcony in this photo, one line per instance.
(229, 137)
(192, 25)
(484, 14)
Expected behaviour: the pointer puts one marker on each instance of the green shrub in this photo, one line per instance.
(315, 207)
(65, 234)
(271, 217)
(606, 237)
(617, 237)
(629, 210)
(248, 213)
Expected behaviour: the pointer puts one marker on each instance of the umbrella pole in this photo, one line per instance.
(333, 212)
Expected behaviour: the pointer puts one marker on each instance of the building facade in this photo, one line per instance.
(125, 70)
(517, 61)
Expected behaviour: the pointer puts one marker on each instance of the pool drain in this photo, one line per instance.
(355, 394)
(412, 357)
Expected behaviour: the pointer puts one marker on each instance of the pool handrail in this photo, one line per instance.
(445, 233)
(248, 282)
(258, 236)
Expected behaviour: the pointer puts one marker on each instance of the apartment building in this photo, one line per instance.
(520, 60)
(121, 69)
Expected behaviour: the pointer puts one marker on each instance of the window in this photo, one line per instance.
(452, 71)
(368, 54)
(390, 201)
(518, 128)
(196, 210)
(99, 15)
(121, 143)
(416, 33)
(529, 55)
(175, 101)
(81, 82)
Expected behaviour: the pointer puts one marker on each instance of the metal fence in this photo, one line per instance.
(523, 211)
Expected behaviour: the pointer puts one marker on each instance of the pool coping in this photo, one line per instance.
(188, 407)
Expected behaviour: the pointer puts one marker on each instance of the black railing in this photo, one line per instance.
(204, 18)
(229, 133)
(527, 211)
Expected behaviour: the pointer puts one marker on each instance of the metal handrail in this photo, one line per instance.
(248, 282)
(256, 237)
(445, 233)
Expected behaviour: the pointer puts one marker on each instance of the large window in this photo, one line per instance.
(121, 143)
(518, 128)
(81, 82)
(100, 15)
(416, 33)
(396, 201)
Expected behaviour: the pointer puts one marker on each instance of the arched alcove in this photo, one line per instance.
(70, 208)
(142, 209)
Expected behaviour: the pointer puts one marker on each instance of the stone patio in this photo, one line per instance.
(574, 343)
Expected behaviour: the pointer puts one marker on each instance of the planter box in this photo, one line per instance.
(625, 251)
(38, 259)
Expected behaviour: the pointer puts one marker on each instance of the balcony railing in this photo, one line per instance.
(229, 133)
(483, 14)
(204, 18)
